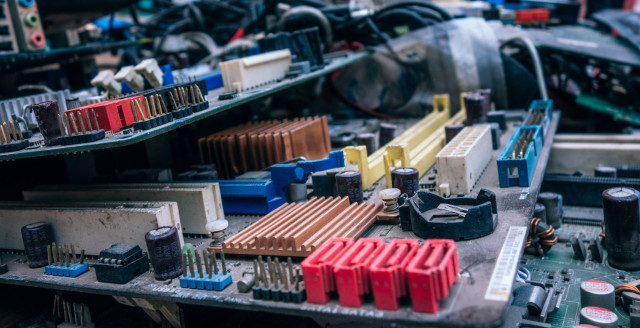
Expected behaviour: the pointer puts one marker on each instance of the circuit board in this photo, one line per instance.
(480, 259)
(548, 271)
(215, 106)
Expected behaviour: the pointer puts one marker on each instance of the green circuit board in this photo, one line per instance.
(548, 271)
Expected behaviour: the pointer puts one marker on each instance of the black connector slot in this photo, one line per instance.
(6, 46)
(4, 30)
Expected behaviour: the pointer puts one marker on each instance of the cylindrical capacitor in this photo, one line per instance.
(368, 140)
(606, 171)
(47, 117)
(540, 212)
(165, 253)
(387, 132)
(486, 93)
(474, 105)
(296, 192)
(36, 237)
(553, 204)
(73, 103)
(621, 209)
(407, 179)
(599, 317)
(452, 130)
(597, 293)
(349, 184)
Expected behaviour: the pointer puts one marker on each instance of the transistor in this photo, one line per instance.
(579, 251)
(120, 263)
(595, 248)
(36, 237)
(62, 261)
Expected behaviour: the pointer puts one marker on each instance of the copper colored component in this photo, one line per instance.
(298, 229)
(256, 145)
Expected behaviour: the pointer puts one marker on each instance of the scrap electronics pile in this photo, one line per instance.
(320, 163)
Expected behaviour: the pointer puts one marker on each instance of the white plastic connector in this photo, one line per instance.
(131, 78)
(250, 72)
(105, 79)
(461, 162)
(151, 71)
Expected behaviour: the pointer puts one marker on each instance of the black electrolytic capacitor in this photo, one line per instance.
(368, 140)
(621, 209)
(553, 203)
(387, 132)
(407, 179)
(165, 252)
(47, 117)
(540, 212)
(36, 237)
(606, 171)
(452, 130)
(349, 184)
(475, 104)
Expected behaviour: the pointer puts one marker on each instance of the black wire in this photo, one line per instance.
(134, 15)
(445, 15)
(404, 13)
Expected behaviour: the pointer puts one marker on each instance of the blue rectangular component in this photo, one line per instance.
(213, 81)
(249, 196)
(73, 270)
(540, 113)
(519, 171)
(216, 282)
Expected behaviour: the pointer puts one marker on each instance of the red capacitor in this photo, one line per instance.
(352, 270)
(112, 115)
(317, 269)
(387, 272)
(432, 271)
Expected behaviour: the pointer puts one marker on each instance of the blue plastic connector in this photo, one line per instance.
(73, 270)
(544, 106)
(249, 196)
(167, 75)
(519, 171)
(264, 196)
(283, 175)
(217, 282)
